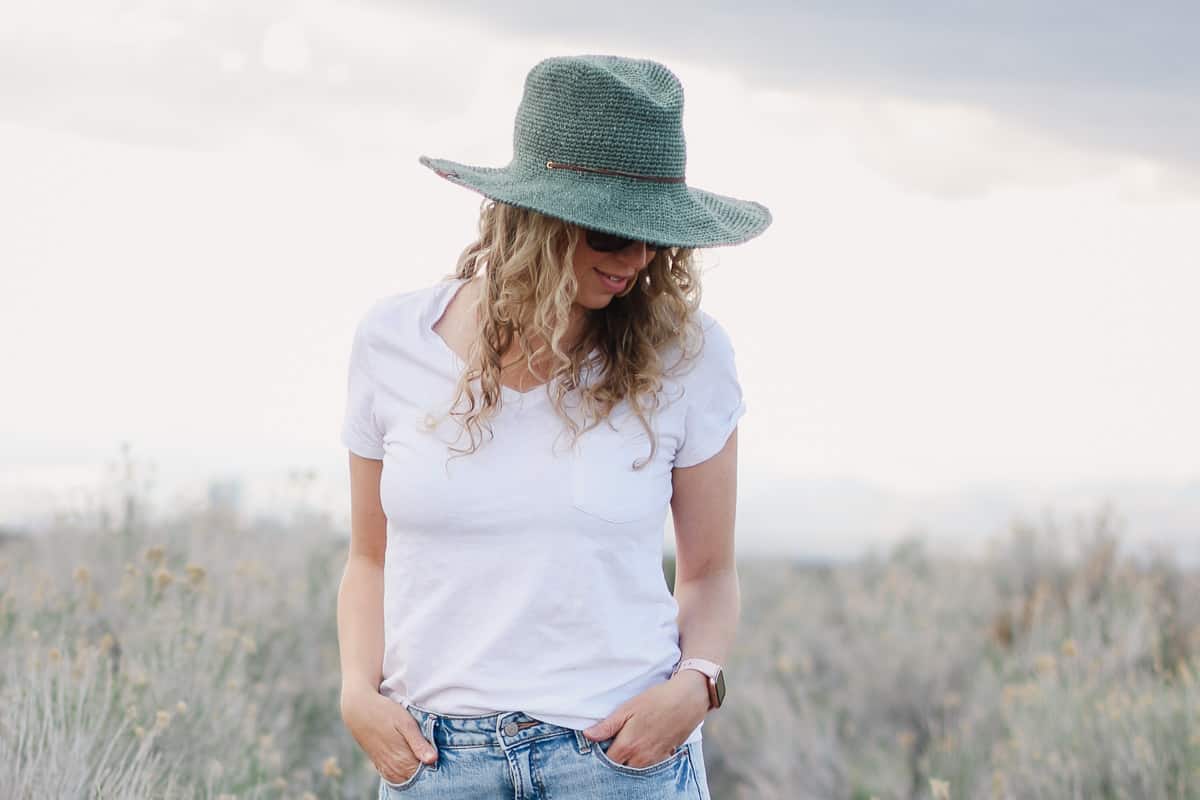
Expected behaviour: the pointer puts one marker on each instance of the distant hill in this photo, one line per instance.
(838, 519)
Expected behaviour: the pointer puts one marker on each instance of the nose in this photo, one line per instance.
(635, 255)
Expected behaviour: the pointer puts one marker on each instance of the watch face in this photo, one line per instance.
(720, 687)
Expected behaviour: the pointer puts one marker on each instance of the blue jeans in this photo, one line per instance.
(512, 756)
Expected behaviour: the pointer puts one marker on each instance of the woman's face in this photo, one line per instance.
(596, 290)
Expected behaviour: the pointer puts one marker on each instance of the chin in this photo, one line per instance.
(597, 300)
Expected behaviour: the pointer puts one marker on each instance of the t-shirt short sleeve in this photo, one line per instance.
(360, 430)
(713, 396)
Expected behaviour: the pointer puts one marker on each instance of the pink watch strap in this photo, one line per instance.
(709, 668)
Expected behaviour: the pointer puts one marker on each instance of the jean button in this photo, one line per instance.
(510, 729)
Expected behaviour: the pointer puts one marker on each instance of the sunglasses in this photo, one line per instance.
(610, 242)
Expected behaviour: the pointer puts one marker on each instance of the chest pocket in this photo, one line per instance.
(604, 483)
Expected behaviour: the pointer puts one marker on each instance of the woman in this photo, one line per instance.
(510, 588)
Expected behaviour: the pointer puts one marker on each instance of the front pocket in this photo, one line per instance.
(409, 781)
(604, 483)
(653, 769)
(426, 721)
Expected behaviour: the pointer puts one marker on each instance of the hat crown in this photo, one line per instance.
(602, 111)
(598, 142)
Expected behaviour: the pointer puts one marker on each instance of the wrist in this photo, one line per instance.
(697, 685)
(714, 677)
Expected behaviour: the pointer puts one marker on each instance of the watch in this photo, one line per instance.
(715, 678)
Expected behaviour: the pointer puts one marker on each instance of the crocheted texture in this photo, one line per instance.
(617, 114)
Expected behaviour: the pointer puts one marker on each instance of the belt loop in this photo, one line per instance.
(431, 721)
(582, 742)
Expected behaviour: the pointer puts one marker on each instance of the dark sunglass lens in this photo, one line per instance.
(606, 242)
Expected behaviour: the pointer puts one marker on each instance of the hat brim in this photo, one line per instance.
(665, 214)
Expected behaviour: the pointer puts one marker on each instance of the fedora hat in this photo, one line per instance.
(598, 141)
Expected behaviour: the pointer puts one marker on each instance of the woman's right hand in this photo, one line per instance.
(387, 733)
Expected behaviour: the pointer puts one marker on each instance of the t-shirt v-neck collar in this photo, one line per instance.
(441, 301)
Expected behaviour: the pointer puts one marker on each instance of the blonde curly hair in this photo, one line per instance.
(529, 292)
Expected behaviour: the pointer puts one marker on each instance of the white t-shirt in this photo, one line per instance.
(523, 576)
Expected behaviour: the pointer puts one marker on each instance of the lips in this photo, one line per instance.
(613, 284)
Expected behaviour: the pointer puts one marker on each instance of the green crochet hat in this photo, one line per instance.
(598, 141)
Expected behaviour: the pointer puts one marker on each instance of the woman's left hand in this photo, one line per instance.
(651, 725)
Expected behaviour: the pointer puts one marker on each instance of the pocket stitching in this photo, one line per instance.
(604, 511)
(407, 781)
(651, 769)
(581, 482)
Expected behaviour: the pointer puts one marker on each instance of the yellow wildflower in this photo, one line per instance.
(997, 784)
(1185, 674)
(196, 574)
(1015, 692)
(163, 578)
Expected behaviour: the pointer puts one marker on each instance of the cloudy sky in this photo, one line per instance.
(981, 271)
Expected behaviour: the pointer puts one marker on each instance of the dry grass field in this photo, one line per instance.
(191, 658)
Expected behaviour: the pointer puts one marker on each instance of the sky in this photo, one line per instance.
(979, 282)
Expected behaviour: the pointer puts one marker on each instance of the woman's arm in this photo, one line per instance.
(703, 505)
(706, 589)
(360, 594)
(370, 717)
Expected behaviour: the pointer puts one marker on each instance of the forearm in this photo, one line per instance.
(360, 624)
(709, 608)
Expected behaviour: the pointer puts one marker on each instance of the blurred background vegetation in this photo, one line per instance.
(194, 657)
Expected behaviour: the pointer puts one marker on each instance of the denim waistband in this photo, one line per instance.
(503, 729)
